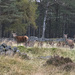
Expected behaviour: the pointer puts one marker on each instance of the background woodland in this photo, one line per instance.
(26, 17)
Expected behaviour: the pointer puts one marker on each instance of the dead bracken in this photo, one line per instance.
(65, 63)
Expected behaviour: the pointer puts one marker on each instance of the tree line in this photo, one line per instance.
(16, 16)
(26, 17)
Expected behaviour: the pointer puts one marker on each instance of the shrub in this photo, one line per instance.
(58, 61)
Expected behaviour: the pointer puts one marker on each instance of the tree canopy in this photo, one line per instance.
(27, 17)
(60, 17)
(19, 14)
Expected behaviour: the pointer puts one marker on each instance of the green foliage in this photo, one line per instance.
(28, 10)
(32, 50)
(19, 13)
(54, 51)
(22, 48)
(22, 14)
(60, 17)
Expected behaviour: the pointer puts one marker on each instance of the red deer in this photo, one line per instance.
(20, 39)
(69, 42)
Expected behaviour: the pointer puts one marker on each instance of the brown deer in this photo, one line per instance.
(20, 39)
(69, 42)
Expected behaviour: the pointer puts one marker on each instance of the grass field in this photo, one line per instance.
(35, 65)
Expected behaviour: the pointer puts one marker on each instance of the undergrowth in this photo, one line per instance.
(35, 66)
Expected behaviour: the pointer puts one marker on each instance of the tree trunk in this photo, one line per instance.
(44, 22)
(0, 25)
(0, 29)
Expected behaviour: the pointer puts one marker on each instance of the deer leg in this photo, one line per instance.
(26, 43)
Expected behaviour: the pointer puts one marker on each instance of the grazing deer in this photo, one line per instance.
(20, 39)
(69, 42)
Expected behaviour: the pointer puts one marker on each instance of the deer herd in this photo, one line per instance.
(25, 40)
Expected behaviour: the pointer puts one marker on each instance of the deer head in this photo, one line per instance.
(65, 36)
(14, 34)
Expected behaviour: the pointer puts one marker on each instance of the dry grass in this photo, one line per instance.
(35, 66)
(16, 66)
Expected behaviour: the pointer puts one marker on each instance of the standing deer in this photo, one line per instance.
(20, 39)
(69, 42)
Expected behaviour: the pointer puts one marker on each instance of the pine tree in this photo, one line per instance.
(19, 14)
(60, 17)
